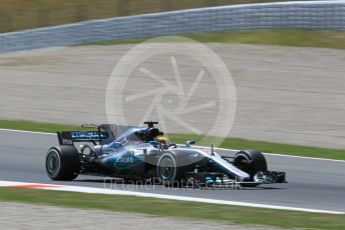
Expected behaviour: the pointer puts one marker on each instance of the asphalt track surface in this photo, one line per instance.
(313, 184)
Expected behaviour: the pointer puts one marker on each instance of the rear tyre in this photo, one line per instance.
(62, 163)
(168, 172)
(251, 162)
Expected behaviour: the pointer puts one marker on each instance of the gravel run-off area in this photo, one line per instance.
(34, 217)
(284, 94)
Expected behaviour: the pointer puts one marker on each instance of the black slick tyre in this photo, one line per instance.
(168, 171)
(62, 163)
(251, 162)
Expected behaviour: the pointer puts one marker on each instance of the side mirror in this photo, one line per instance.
(189, 143)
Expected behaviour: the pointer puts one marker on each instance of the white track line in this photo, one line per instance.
(269, 154)
(161, 196)
(23, 131)
(279, 155)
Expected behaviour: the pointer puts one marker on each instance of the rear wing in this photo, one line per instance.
(105, 134)
(68, 138)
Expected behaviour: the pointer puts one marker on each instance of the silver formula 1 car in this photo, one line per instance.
(142, 153)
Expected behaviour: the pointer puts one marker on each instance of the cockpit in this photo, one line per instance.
(136, 136)
(122, 138)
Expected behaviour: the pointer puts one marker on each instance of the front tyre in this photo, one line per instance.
(251, 162)
(168, 172)
(62, 163)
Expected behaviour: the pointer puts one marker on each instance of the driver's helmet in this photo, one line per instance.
(162, 139)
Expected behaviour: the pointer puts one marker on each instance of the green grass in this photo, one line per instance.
(268, 147)
(23, 14)
(298, 38)
(233, 143)
(177, 209)
(36, 126)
